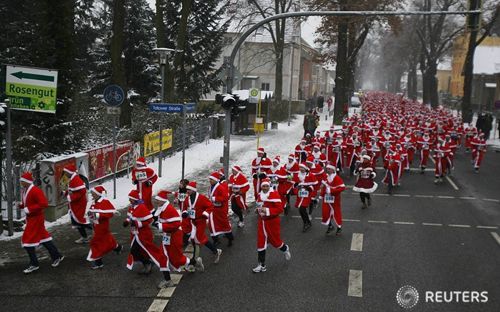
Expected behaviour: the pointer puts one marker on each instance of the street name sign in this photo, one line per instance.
(32, 89)
(171, 107)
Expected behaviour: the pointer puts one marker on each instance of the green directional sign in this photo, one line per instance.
(33, 89)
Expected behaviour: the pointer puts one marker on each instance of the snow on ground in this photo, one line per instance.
(202, 157)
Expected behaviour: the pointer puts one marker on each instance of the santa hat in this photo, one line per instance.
(310, 159)
(191, 186)
(303, 141)
(140, 162)
(303, 165)
(70, 169)
(99, 190)
(162, 196)
(221, 171)
(331, 166)
(277, 159)
(367, 157)
(236, 168)
(291, 156)
(318, 146)
(260, 150)
(134, 195)
(332, 128)
(266, 181)
(214, 176)
(308, 134)
(27, 177)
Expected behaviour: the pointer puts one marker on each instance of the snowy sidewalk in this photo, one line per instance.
(201, 159)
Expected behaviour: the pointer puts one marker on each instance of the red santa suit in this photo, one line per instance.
(260, 165)
(198, 210)
(335, 153)
(238, 188)
(478, 150)
(409, 143)
(139, 217)
(331, 188)
(319, 157)
(280, 181)
(144, 177)
(366, 179)
(424, 145)
(34, 202)
(440, 160)
(218, 218)
(169, 224)
(100, 213)
(269, 208)
(77, 196)
(305, 189)
(292, 167)
(392, 172)
(302, 150)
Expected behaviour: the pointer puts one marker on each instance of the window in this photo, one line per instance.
(265, 86)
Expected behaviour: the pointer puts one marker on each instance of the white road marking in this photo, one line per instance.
(357, 242)
(459, 225)
(496, 237)
(401, 195)
(487, 227)
(355, 283)
(402, 222)
(452, 183)
(351, 220)
(465, 197)
(296, 217)
(376, 221)
(378, 194)
(492, 200)
(425, 196)
(166, 292)
(158, 305)
(446, 197)
(432, 224)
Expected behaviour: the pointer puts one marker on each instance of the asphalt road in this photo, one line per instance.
(432, 237)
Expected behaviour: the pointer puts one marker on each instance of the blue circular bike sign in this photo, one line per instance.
(114, 95)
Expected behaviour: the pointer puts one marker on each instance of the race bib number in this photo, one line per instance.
(181, 196)
(191, 213)
(329, 199)
(141, 175)
(259, 205)
(166, 239)
(303, 193)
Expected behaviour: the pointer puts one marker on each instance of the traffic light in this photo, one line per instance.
(231, 102)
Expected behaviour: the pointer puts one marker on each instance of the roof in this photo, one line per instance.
(487, 60)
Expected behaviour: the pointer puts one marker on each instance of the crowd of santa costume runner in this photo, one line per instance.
(391, 131)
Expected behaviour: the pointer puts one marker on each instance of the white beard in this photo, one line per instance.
(302, 176)
(330, 177)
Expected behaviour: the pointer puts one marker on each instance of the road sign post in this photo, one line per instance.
(32, 89)
(114, 97)
(8, 169)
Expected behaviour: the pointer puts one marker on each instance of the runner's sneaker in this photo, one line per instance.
(329, 229)
(217, 256)
(30, 269)
(241, 224)
(56, 262)
(96, 266)
(259, 268)
(118, 250)
(339, 231)
(147, 269)
(82, 240)
(287, 253)
(199, 265)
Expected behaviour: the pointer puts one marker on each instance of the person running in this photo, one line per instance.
(304, 183)
(365, 183)
(100, 213)
(33, 203)
(268, 208)
(331, 188)
(238, 188)
(218, 221)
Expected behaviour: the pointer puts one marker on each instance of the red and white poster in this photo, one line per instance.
(101, 159)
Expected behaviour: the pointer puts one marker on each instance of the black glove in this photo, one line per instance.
(135, 182)
(148, 183)
(155, 224)
(125, 223)
(254, 176)
(296, 184)
(184, 214)
(262, 176)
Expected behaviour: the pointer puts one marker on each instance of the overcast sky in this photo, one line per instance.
(308, 27)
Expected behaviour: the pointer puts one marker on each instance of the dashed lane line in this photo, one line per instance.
(492, 200)
(164, 295)
(380, 194)
(401, 195)
(487, 227)
(376, 221)
(467, 198)
(459, 225)
(445, 197)
(355, 288)
(432, 224)
(496, 237)
(158, 305)
(424, 196)
(433, 196)
(402, 222)
(351, 220)
(357, 242)
(452, 183)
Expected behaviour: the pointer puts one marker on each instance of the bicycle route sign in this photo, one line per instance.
(114, 95)
(31, 89)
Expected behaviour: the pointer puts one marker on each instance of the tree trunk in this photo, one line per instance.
(433, 84)
(342, 73)
(118, 68)
(412, 81)
(278, 89)
(468, 73)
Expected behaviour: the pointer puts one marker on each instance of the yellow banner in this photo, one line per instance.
(152, 142)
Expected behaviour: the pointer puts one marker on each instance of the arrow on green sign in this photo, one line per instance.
(22, 75)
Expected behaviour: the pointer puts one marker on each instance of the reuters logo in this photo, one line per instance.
(407, 297)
